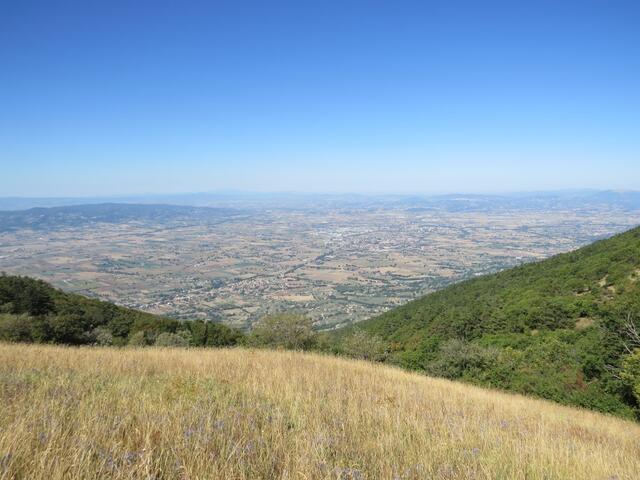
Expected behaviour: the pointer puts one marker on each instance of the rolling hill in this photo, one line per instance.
(554, 329)
(248, 414)
(40, 218)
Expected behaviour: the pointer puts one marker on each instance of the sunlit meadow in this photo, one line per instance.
(235, 414)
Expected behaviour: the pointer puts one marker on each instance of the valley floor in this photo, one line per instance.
(235, 414)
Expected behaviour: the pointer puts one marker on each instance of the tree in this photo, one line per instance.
(284, 330)
(458, 357)
(219, 335)
(363, 345)
(138, 339)
(630, 374)
(68, 329)
(632, 332)
(167, 339)
(102, 336)
(15, 328)
(32, 297)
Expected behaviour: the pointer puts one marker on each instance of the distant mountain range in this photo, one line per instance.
(79, 215)
(452, 202)
(214, 207)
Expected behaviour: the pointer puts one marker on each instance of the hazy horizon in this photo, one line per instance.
(364, 193)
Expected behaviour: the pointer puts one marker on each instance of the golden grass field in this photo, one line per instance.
(95, 413)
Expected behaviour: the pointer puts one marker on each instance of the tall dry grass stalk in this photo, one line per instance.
(207, 414)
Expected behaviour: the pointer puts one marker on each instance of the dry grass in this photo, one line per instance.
(208, 414)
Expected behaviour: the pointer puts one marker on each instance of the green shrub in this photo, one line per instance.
(630, 374)
(457, 359)
(284, 330)
(167, 339)
(102, 336)
(15, 328)
(363, 345)
(138, 339)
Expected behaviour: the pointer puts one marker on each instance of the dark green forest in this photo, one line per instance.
(558, 329)
(33, 311)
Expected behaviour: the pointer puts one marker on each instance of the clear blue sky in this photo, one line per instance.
(119, 97)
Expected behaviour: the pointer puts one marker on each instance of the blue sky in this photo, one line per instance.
(100, 98)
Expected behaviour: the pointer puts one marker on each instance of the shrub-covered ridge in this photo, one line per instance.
(33, 311)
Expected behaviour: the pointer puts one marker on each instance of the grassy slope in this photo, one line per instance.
(158, 413)
(559, 319)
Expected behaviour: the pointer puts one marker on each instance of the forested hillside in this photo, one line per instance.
(558, 329)
(33, 311)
